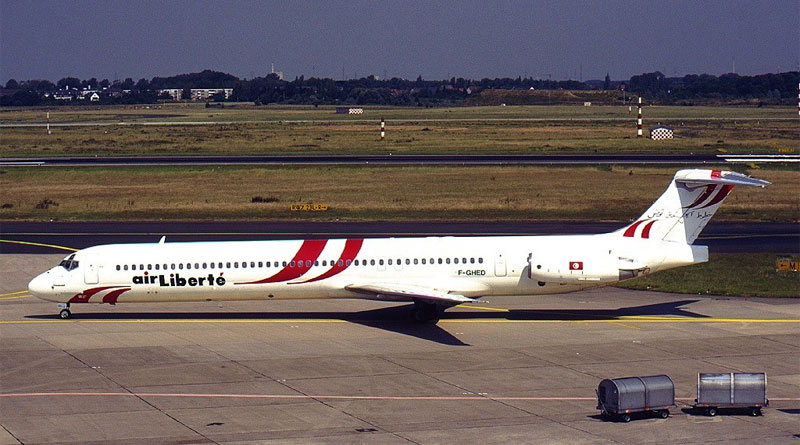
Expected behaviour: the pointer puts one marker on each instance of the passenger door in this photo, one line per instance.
(500, 265)
(90, 275)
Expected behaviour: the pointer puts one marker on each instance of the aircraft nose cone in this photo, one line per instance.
(40, 285)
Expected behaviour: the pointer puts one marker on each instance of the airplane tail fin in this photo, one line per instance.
(689, 202)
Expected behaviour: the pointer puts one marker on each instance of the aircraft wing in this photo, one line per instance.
(404, 292)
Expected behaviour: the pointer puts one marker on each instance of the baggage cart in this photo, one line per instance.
(743, 390)
(617, 399)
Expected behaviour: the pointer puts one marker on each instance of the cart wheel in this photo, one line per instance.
(664, 413)
(711, 412)
(626, 418)
(755, 412)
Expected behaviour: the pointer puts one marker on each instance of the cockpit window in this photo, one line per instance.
(69, 263)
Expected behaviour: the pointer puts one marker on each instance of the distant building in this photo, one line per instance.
(174, 93)
(206, 93)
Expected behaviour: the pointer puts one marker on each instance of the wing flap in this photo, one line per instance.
(407, 292)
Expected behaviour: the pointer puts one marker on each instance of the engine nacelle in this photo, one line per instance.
(584, 270)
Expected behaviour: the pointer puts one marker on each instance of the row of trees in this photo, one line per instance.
(395, 91)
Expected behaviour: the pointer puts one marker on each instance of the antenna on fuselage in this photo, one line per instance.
(163, 238)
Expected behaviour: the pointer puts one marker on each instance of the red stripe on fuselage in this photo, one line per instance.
(112, 296)
(309, 252)
(709, 190)
(646, 230)
(720, 196)
(84, 296)
(630, 231)
(351, 249)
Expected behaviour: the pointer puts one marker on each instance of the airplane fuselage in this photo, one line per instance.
(245, 270)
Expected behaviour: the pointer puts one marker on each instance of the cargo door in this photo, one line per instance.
(90, 275)
(500, 265)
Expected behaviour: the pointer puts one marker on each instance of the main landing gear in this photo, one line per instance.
(65, 313)
(427, 313)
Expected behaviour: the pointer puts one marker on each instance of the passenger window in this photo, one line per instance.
(196, 265)
(390, 261)
(284, 264)
(212, 265)
(244, 264)
(341, 263)
(205, 266)
(117, 266)
(260, 264)
(356, 261)
(463, 261)
(180, 266)
(172, 266)
(415, 261)
(228, 264)
(480, 260)
(308, 263)
(455, 260)
(371, 262)
(324, 262)
(158, 267)
(440, 261)
(149, 267)
(423, 261)
(291, 263)
(447, 260)
(399, 262)
(235, 264)
(188, 266)
(472, 261)
(126, 267)
(380, 262)
(252, 264)
(408, 261)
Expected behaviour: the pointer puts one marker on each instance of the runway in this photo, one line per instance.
(388, 159)
(512, 370)
(721, 237)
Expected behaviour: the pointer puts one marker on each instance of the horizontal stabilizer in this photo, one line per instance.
(705, 177)
(387, 291)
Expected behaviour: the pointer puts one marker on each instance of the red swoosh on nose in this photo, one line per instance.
(308, 252)
(84, 296)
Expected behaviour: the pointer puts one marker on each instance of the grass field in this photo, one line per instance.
(752, 275)
(366, 193)
(471, 130)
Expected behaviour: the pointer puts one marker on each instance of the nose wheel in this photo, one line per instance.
(65, 313)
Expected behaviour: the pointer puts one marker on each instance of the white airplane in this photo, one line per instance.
(433, 272)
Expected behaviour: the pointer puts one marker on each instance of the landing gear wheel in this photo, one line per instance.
(626, 418)
(711, 412)
(664, 413)
(426, 313)
(65, 314)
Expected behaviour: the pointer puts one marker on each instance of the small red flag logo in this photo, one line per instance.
(576, 265)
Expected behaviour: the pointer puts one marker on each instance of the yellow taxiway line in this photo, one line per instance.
(28, 243)
(447, 321)
(15, 297)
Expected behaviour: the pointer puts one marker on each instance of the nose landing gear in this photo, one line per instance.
(65, 313)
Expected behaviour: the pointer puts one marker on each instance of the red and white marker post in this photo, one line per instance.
(383, 129)
(639, 120)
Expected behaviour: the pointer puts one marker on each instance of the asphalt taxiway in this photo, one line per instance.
(513, 370)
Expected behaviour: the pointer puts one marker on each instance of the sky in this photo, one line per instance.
(564, 39)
